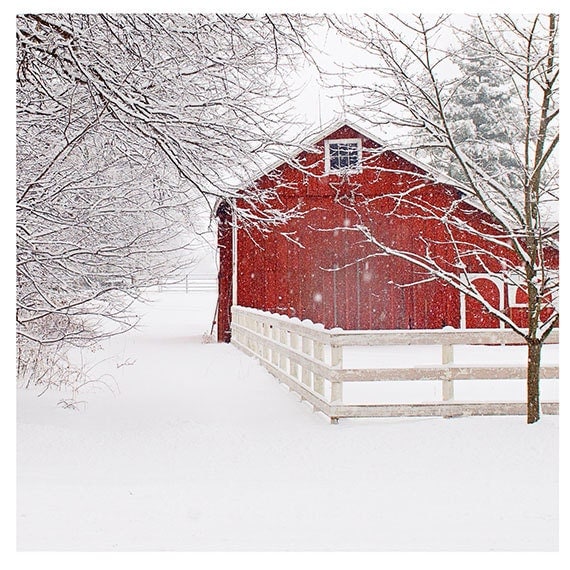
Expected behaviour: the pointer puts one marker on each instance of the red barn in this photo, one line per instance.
(320, 266)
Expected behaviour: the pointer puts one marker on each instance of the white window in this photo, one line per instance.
(343, 155)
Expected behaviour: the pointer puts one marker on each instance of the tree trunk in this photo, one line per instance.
(533, 381)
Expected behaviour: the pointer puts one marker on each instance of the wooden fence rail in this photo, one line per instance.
(309, 359)
(187, 283)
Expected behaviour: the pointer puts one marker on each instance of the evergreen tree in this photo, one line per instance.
(484, 115)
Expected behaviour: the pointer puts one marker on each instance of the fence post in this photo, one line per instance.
(233, 321)
(306, 349)
(258, 329)
(336, 362)
(249, 323)
(319, 354)
(265, 349)
(293, 366)
(336, 356)
(240, 320)
(282, 356)
(446, 359)
(274, 337)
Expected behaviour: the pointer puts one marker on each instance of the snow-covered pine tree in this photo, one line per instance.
(484, 115)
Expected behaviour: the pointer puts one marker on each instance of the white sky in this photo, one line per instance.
(275, 6)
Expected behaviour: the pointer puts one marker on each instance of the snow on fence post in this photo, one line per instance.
(446, 359)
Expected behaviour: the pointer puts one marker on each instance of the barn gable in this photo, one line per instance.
(311, 169)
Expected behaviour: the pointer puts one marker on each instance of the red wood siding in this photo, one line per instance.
(367, 290)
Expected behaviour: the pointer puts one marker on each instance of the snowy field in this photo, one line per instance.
(189, 446)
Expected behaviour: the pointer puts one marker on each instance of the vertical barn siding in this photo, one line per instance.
(278, 275)
(475, 317)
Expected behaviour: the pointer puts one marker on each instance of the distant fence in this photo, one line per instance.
(309, 359)
(187, 283)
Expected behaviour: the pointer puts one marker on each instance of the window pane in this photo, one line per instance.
(343, 155)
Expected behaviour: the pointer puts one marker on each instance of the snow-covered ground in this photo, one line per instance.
(193, 446)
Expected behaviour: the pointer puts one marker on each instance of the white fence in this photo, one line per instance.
(188, 282)
(309, 359)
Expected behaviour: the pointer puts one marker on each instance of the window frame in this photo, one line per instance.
(347, 170)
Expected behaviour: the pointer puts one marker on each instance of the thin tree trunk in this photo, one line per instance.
(533, 382)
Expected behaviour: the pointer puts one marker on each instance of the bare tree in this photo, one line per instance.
(127, 125)
(415, 78)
